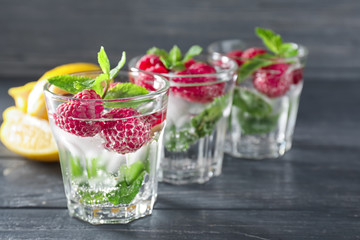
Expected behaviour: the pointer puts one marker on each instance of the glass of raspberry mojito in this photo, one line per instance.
(200, 97)
(109, 138)
(266, 96)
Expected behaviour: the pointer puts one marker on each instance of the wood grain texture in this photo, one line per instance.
(313, 192)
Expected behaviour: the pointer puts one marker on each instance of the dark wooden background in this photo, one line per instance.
(313, 192)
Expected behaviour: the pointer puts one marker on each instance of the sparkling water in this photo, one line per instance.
(104, 186)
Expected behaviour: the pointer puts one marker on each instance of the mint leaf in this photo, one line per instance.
(133, 172)
(114, 72)
(251, 66)
(270, 39)
(192, 52)
(158, 52)
(250, 102)
(201, 125)
(124, 194)
(179, 141)
(71, 83)
(125, 90)
(75, 167)
(275, 44)
(288, 50)
(178, 66)
(257, 125)
(175, 54)
(205, 122)
(92, 197)
(104, 62)
(100, 84)
(174, 60)
(167, 63)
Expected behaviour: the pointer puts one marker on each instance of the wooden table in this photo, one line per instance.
(313, 192)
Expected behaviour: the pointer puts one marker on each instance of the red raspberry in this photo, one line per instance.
(297, 75)
(68, 114)
(201, 94)
(127, 134)
(252, 52)
(189, 62)
(272, 80)
(149, 60)
(236, 55)
(150, 63)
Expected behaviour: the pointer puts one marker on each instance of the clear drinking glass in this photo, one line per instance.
(110, 161)
(263, 121)
(199, 106)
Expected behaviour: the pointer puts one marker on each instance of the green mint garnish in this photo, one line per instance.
(257, 125)
(205, 122)
(250, 66)
(125, 193)
(201, 125)
(104, 62)
(125, 90)
(72, 84)
(174, 59)
(75, 167)
(255, 114)
(179, 140)
(192, 52)
(128, 186)
(274, 44)
(251, 102)
(75, 84)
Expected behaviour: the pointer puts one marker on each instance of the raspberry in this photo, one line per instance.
(297, 75)
(272, 80)
(189, 62)
(236, 55)
(68, 114)
(201, 94)
(252, 52)
(127, 134)
(150, 63)
(149, 60)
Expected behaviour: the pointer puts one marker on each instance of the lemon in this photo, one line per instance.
(21, 94)
(28, 136)
(36, 99)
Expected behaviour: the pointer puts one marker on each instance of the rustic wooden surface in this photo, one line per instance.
(313, 192)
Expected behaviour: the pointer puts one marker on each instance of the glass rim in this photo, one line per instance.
(152, 94)
(220, 75)
(303, 51)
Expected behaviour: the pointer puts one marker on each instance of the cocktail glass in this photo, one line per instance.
(110, 161)
(263, 121)
(199, 107)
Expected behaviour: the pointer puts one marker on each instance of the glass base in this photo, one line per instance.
(253, 148)
(110, 215)
(179, 177)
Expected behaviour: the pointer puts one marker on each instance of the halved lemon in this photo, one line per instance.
(36, 100)
(28, 136)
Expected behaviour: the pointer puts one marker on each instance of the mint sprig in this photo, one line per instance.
(100, 84)
(201, 125)
(174, 60)
(274, 43)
